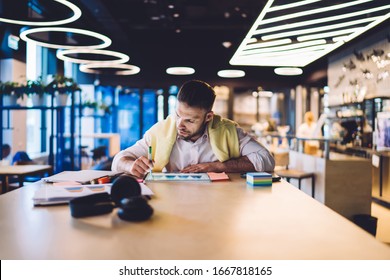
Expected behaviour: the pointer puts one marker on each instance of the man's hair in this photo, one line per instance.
(6, 150)
(197, 94)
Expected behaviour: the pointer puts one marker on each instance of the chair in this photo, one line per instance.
(282, 159)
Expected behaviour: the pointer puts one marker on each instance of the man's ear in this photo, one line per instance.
(209, 116)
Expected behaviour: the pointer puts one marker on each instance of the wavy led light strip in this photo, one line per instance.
(105, 40)
(122, 58)
(129, 69)
(76, 15)
(287, 26)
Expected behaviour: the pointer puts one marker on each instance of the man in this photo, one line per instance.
(194, 140)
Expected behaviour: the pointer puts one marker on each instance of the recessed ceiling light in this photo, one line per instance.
(288, 71)
(180, 71)
(76, 15)
(231, 73)
(227, 44)
(63, 55)
(105, 40)
(129, 69)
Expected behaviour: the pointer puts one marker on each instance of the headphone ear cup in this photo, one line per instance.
(135, 209)
(123, 187)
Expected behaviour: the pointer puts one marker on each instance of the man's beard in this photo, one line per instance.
(199, 132)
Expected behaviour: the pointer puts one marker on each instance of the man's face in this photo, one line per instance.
(191, 121)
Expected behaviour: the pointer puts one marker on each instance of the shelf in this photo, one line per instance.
(355, 104)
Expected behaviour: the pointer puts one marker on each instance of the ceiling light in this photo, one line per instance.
(265, 93)
(106, 41)
(230, 73)
(288, 71)
(227, 44)
(180, 71)
(76, 15)
(62, 54)
(322, 28)
(283, 23)
(129, 69)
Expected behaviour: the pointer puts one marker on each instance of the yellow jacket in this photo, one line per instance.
(222, 133)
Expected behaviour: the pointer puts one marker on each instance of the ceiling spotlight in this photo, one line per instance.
(180, 71)
(171, 6)
(76, 15)
(129, 69)
(176, 15)
(288, 71)
(230, 73)
(105, 40)
(227, 44)
(63, 55)
(177, 30)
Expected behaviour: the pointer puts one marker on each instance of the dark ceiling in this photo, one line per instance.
(154, 38)
(149, 32)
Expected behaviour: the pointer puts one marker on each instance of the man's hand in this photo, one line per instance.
(203, 167)
(241, 164)
(141, 166)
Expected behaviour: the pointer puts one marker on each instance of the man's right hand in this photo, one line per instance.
(141, 166)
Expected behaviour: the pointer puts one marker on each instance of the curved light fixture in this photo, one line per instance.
(288, 71)
(62, 54)
(129, 69)
(106, 41)
(231, 73)
(180, 71)
(76, 15)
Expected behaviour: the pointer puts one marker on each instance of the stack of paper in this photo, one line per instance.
(259, 179)
(64, 186)
(81, 176)
(56, 194)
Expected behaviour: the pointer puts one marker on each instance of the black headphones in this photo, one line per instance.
(125, 194)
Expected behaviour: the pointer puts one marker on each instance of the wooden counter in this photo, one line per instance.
(220, 220)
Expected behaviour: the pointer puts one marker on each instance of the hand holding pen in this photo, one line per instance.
(150, 158)
(142, 165)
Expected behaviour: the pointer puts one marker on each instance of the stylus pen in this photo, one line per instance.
(150, 158)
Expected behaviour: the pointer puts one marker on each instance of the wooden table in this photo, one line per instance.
(220, 220)
(21, 171)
